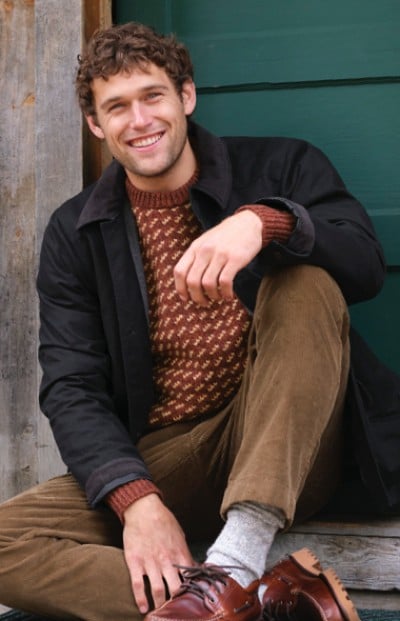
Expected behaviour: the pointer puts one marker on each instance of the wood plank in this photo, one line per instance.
(41, 166)
(18, 389)
(284, 41)
(95, 153)
(97, 14)
(58, 148)
(362, 563)
(156, 13)
(58, 121)
(389, 527)
(377, 600)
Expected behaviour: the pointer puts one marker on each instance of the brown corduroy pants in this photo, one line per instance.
(279, 442)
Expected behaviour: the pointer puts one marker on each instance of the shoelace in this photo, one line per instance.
(279, 611)
(193, 579)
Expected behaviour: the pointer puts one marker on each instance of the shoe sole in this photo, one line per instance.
(308, 561)
(340, 594)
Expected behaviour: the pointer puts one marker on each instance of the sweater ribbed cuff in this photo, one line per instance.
(277, 225)
(125, 495)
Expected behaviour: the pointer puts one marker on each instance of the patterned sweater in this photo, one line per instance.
(199, 353)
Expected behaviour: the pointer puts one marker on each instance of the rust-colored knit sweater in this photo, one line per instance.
(198, 353)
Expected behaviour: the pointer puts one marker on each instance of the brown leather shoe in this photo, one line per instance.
(297, 589)
(208, 593)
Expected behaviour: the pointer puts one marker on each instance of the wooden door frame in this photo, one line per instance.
(96, 14)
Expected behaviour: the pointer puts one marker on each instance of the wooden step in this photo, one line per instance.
(365, 554)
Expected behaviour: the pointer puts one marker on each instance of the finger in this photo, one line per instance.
(172, 578)
(197, 295)
(210, 280)
(139, 593)
(225, 281)
(180, 274)
(203, 261)
(157, 586)
(189, 278)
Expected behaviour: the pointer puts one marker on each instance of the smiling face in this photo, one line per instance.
(143, 120)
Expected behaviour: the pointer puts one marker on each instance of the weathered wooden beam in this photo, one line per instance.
(58, 146)
(364, 552)
(41, 166)
(96, 156)
(18, 387)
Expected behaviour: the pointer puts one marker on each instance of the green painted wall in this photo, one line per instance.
(326, 72)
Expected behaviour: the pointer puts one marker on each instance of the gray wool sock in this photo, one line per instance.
(245, 540)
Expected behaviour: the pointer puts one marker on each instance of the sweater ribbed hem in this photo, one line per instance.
(125, 495)
(277, 225)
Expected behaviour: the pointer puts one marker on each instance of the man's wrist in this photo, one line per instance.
(277, 225)
(125, 495)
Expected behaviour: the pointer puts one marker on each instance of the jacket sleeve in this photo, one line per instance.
(76, 392)
(333, 230)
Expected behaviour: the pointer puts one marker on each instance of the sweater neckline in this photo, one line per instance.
(160, 200)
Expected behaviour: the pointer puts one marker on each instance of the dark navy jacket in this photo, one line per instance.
(94, 344)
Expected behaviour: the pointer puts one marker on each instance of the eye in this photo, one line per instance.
(153, 95)
(116, 106)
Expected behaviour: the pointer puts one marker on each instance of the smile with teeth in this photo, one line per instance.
(146, 142)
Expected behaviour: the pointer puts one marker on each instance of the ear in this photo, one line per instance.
(95, 127)
(188, 97)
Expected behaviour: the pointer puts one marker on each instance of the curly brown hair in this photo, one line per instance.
(123, 48)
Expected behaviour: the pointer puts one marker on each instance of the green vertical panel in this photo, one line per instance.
(155, 13)
(378, 321)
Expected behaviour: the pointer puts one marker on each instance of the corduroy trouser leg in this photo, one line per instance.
(279, 442)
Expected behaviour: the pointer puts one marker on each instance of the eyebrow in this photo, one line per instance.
(142, 90)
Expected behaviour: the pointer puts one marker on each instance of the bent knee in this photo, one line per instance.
(301, 291)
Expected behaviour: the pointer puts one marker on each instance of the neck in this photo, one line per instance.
(161, 199)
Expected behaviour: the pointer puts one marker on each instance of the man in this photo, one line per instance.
(195, 350)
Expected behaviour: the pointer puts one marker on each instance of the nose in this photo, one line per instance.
(139, 115)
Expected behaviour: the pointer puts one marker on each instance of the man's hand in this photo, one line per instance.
(206, 270)
(153, 543)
